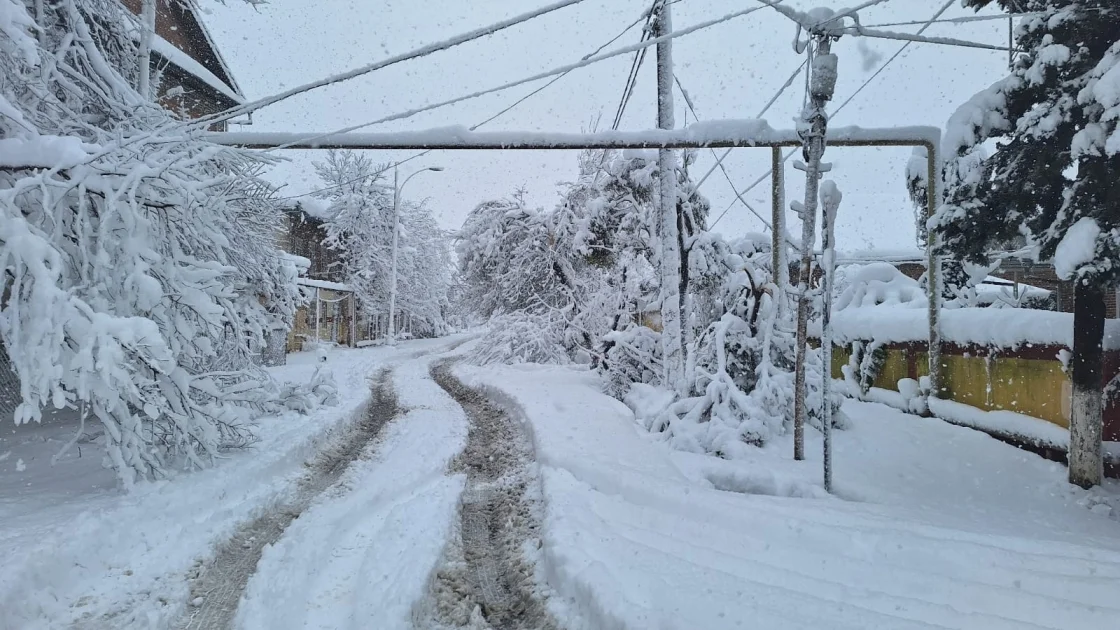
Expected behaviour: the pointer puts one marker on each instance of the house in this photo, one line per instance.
(332, 314)
(195, 79)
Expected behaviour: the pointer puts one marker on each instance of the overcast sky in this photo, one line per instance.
(730, 71)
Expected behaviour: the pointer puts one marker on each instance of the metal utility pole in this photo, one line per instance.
(147, 34)
(780, 259)
(391, 336)
(671, 337)
(830, 203)
(815, 125)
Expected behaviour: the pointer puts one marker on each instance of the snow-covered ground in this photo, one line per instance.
(361, 557)
(939, 526)
(75, 548)
(934, 525)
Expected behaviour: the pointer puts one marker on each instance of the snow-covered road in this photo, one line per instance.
(75, 551)
(604, 527)
(945, 527)
(362, 556)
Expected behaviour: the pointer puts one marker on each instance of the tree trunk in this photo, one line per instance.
(1085, 466)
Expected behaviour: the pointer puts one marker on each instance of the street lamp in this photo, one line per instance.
(396, 238)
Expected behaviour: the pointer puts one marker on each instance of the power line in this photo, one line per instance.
(761, 113)
(543, 75)
(423, 51)
(901, 49)
(957, 20)
(484, 122)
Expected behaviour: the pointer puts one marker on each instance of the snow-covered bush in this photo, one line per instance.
(741, 366)
(631, 356)
(523, 337)
(878, 284)
(140, 273)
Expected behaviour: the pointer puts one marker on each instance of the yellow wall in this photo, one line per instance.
(1034, 387)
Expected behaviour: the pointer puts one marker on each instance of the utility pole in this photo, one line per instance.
(814, 127)
(830, 203)
(147, 34)
(391, 336)
(671, 336)
(779, 257)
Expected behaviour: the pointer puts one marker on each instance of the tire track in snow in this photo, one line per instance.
(486, 581)
(218, 586)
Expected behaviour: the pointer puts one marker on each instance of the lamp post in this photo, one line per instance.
(391, 337)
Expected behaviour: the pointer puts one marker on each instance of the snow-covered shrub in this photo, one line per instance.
(631, 355)
(140, 273)
(864, 365)
(878, 284)
(742, 364)
(322, 390)
(523, 337)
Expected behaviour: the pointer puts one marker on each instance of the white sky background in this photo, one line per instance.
(730, 71)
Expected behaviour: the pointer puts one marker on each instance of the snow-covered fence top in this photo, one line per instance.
(719, 133)
(995, 327)
(881, 304)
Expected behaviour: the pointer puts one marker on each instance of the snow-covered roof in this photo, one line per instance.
(232, 83)
(186, 63)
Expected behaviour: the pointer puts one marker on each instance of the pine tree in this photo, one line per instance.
(1052, 182)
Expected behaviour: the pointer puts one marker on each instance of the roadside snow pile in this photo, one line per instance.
(1001, 422)
(638, 536)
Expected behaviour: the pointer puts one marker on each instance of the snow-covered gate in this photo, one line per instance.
(701, 135)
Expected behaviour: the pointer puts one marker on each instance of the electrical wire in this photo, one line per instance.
(423, 51)
(543, 75)
(484, 122)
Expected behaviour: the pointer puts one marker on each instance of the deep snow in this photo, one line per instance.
(939, 525)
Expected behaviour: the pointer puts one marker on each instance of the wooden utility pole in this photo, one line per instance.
(830, 203)
(671, 332)
(821, 86)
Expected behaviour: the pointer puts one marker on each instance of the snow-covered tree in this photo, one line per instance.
(359, 223)
(1051, 183)
(140, 272)
(513, 269)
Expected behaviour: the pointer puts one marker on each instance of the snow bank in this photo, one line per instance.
(128, 555)
(1002, 423)
(363, 554)
(630, 541)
